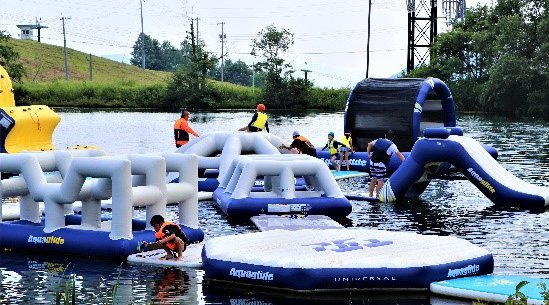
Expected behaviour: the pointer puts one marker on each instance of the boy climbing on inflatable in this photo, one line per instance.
(346, 149)
(333, 148)
(168, 237)
(380, 152)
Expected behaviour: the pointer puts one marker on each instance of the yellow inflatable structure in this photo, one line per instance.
(22, 128)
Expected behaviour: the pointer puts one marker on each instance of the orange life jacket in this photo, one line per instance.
(305, 140)
(160, 234)
(181, 130)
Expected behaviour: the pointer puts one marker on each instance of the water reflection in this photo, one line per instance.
(219, 293)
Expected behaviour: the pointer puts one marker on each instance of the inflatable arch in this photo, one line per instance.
(407, 106)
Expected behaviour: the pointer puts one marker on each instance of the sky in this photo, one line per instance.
(330, 35)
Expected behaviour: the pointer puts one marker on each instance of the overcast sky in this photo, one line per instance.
(330, 35)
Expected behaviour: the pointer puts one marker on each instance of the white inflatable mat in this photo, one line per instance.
(192, 258)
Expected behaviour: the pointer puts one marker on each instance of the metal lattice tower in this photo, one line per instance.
(422, 30)
(454, 11)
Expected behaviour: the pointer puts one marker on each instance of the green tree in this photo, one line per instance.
(188, 86)
(171, 58)
(497, 60)
(153, 53)
(9, 59)
(235, 72)
(281, 89)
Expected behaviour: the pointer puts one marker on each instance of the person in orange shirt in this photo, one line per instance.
(168, 237)
(181, 129)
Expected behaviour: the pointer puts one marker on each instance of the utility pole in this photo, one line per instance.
(194, 59)
(368, 43)
(253, 77)
(222, 36)
(91, 73)
(193, 42)
(197, 40)
(306, 72)
(65, 48)
(142, 39)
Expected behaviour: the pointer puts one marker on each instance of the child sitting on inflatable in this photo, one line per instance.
(168, 237)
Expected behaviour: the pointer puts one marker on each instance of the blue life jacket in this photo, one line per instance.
(379, 153)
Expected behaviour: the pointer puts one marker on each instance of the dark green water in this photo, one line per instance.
(517, 238)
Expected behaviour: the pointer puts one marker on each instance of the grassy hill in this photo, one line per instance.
(120, 85)
(46, 63)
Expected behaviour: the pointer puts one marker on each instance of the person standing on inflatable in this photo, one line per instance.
(168, 237)
(380, 152)
(333, 148)
(302, 144)
(181, 129)
(346, 149)
(258, 122)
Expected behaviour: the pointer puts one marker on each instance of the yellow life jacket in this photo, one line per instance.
(331, 149)
(260, 121)
(345, 141)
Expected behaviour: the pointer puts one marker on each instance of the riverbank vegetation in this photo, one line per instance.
(497, 60)
(40, 79)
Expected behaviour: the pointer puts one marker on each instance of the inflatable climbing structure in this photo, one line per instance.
(23, 127)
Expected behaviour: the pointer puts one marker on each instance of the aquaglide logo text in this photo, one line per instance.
(46, 240)
(471, 269)
(252, 275)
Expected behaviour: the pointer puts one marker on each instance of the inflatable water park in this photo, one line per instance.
(295, 200)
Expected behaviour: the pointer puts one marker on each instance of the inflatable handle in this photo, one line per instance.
(441, 133)
(455, 131)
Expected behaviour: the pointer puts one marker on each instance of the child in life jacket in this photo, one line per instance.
(168, 237)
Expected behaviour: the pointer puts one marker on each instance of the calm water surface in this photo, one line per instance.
(517, 238)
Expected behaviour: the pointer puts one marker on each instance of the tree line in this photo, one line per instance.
(192, 65)
(497, 59)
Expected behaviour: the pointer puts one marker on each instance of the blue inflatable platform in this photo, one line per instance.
(342, 259)
(28, 236)
(248, 207)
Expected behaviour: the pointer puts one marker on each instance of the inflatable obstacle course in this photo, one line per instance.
(23, 128)
(216, 152)
(449, 145)
(137, 180)
(322, 194)
(491, 288)
(342, 259)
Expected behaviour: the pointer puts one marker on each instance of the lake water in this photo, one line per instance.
(517, 238)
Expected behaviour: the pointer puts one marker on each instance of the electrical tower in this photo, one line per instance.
(422, 30)
(454, 11)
